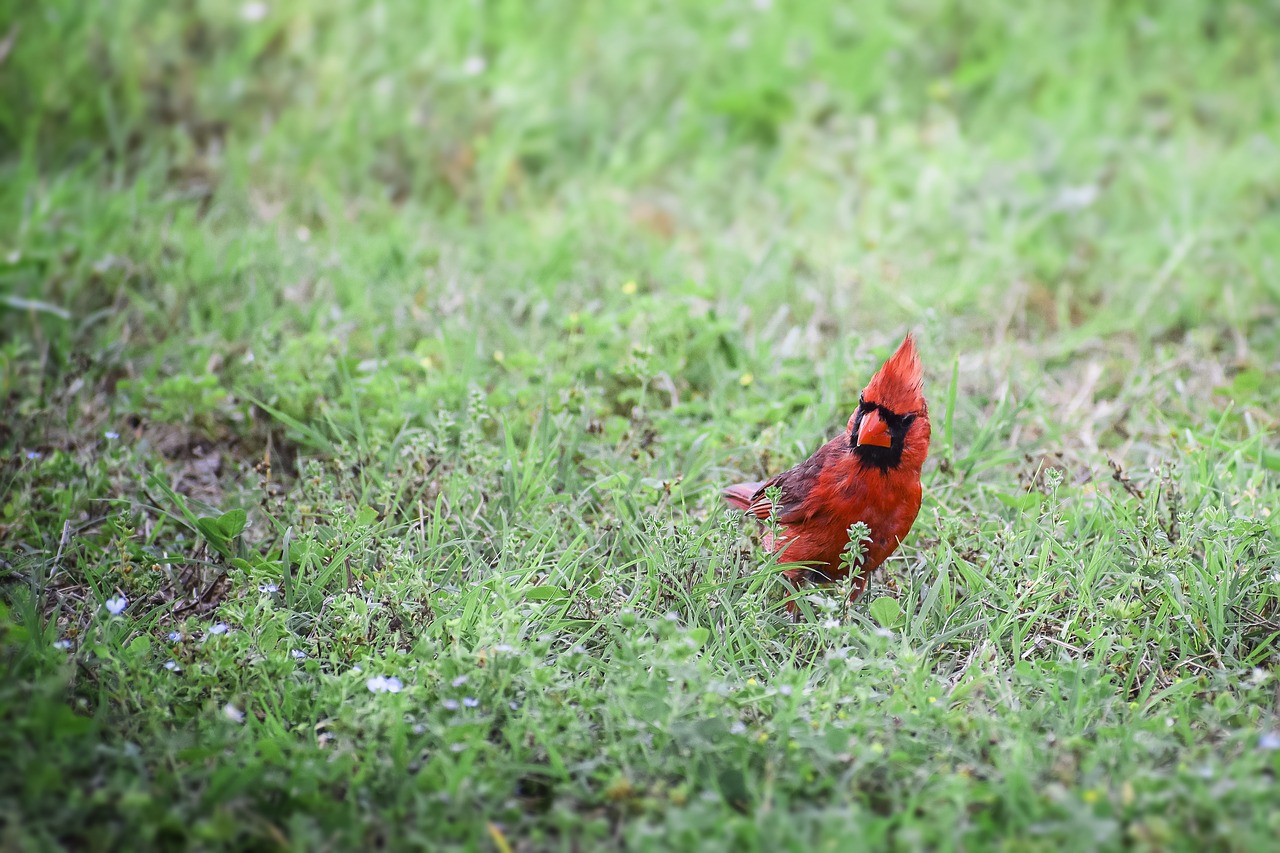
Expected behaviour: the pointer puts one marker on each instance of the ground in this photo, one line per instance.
(371, 373)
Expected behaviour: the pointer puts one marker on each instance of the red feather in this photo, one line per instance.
(843, 482)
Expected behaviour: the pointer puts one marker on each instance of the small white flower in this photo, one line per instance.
(502, 647)
(268, 587)
(253, 12)
(384, 684)
(116, 604)
(172, 665)
(111, 435)
(357, 668)
(232, 713)
(1076, 198)
(298, 654)
(450, 704)
(62, 644)
(471, 702)
(738, 728)
(394, 685)
(459, 681)
(1269, 741)
(218, 628)
(419, 728)
(515, 706)
(831, 623)
(785, 690)
(474, 66)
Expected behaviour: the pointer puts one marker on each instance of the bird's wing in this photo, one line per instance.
(795, 485)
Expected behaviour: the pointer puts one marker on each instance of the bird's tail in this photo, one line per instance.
(739, 495)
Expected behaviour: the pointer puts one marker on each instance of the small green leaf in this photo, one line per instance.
(366, 516)
(232, 523)
(211, 530)
(886, 611)
(139, 646)
(699, 635)
(543, 593)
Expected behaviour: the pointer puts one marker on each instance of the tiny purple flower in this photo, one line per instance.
(268, 587)
(298, 654)
(62, 644)
(459, 681)
(175, 636)
(116, 605)
(172, 666)
(111, 435)
(218, 628)
(471, 702)
(450, 704)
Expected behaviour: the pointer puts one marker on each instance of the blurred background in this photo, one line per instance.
(267, 168)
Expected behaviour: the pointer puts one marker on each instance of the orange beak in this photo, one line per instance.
(873, 430)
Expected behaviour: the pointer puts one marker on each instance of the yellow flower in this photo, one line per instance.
(499, 356)
(1091, 796)
(746, 379)
(630, 288)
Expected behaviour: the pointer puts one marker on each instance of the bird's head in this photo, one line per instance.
(890, 428)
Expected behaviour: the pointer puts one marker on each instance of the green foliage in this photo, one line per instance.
(370, 373)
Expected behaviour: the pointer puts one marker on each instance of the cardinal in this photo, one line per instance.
(868, 473)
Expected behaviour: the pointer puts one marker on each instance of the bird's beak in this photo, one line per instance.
(873, 430)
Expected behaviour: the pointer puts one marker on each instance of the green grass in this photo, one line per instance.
(415, 341)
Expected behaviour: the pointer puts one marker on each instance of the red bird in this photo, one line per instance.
(870, 473)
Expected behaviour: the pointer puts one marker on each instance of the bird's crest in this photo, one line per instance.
(899, 384)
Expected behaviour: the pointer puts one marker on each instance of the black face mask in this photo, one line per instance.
(874, 456)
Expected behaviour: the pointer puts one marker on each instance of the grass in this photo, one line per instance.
(385, 362)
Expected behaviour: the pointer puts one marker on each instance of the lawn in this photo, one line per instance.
(371, 372)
